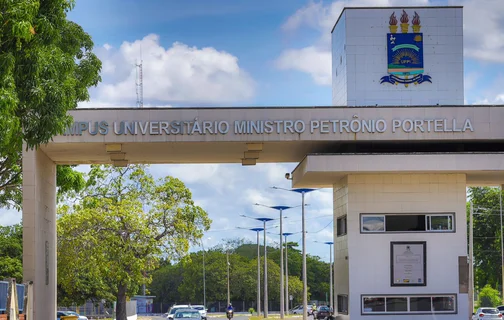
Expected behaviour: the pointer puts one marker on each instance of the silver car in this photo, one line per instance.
(487, 314)
(187, 314)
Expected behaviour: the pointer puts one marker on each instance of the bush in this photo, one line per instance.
(251, 310)
(489, 297)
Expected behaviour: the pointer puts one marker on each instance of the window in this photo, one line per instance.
(410, 304)
(342, 304)
(439, 222)
(374, 304)
(341, 226)
(373, 223)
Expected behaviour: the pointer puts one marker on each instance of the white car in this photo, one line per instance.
(487, 314)
(299, 310)
(171, 312)
(201, 309)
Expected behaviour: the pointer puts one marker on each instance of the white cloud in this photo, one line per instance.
(312, 60)
(179, 74)
(483, 29)
(483, 33)
(93, 104)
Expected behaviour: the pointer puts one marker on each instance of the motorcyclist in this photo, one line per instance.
(229, 311)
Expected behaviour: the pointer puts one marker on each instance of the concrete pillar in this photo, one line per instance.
(39, 232)
(363, 260)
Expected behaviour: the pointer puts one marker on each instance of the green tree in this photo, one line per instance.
(487, 235)
(489, 297)
(116, 234)
(46, 68)
(11, 252)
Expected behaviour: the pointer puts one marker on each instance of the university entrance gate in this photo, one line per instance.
(385, 165)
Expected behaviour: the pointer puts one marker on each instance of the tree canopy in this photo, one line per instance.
(46, 67)
(123, 223)
(182, 282)
(487, 236)
(11, 252)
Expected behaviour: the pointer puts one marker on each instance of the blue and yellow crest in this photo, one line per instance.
(405, 52)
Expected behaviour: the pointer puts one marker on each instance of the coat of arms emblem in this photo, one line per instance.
(405, 52)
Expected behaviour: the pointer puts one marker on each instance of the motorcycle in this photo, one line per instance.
(229, 314)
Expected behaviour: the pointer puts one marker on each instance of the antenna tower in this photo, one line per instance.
(139, 84)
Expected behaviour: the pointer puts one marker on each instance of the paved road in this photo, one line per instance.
(238, 317)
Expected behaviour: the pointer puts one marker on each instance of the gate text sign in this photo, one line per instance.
(335, 126)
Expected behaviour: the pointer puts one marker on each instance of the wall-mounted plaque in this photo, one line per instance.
(408, 263)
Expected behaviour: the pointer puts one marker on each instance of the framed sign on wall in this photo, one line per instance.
(408, 266)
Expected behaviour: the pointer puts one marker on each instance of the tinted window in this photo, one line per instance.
(397, 304)
(490, 311)
(341, 226)
(444, 304)
(374, 304)
(408, 222)
(420, 304)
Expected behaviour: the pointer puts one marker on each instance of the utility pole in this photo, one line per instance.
(471, 262)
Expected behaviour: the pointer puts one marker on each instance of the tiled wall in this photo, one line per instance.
(366, 58)
(339, 70)
(369, 254)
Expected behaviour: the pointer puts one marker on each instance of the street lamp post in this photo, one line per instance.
(227, 260)
(286, 234)
(280, 209)
(331, 300)
(303, 192)
(257, 231)
(265, 305)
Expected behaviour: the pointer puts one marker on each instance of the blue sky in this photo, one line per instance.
(234, 53)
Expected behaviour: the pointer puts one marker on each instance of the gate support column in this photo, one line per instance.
(39, 232)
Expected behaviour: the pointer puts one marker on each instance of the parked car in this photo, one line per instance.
(173, 309)
(202, 310)
(187, 314)
(60, 314)
(323, 312)
(299, 310)
(71, 313)
(487, 314)
(501, 309)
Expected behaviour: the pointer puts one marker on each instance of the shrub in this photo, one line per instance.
(489, 297)
(251, 310)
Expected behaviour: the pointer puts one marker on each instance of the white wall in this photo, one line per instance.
(341, 272)
(366, 57)
(369, 254)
